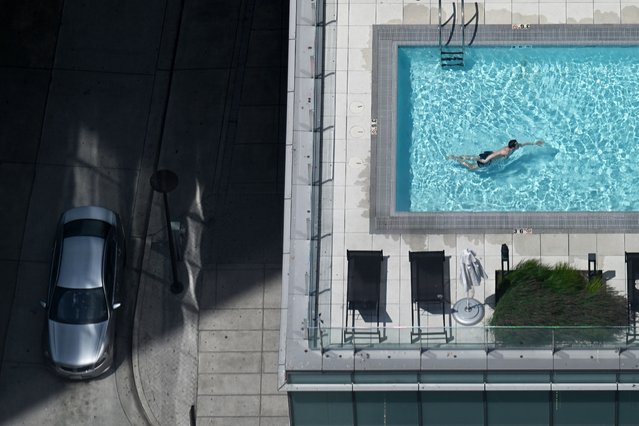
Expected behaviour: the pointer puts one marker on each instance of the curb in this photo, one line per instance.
(139, 389)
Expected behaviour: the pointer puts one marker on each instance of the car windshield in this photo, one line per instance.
(79, 306)
(86, 227)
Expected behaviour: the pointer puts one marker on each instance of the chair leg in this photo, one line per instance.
(353, 318)
(412, 315)
(346, 322)
(379, 335)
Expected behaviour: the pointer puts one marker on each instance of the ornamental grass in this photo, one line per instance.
(538, 295)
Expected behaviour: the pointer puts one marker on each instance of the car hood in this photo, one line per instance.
(76, 345)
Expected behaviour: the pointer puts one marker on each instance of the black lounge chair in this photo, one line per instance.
(427, 282)
(632, 278)
(364, 278)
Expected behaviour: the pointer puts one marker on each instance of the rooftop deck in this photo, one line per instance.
(343, 221)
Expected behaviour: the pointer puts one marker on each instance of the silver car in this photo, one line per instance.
(86, 270)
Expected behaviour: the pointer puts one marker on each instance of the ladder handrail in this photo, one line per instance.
(460, 46)
(440, 23)
(476, 19)
(475, 15)
(463, 25)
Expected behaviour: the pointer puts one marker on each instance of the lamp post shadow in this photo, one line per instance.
(165, 181)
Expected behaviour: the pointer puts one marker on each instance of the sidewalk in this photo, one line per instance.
(215, 345)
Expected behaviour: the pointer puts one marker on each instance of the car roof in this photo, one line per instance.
(81, 263)
(89, 212)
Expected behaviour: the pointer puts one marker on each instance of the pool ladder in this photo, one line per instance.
(451, 52)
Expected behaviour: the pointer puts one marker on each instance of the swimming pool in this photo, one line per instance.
(582, 101)
(386, 169)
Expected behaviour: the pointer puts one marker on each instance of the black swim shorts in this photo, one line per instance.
(483, 156)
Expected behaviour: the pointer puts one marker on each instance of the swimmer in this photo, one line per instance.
(473, 162)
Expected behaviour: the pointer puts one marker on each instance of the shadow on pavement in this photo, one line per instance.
(80, 123)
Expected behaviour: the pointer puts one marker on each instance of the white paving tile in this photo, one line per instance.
(416, 14)
(362, 14)
(474, 242)
(582, 244)
(359, 105)
(342, 12)
(341, 83)
(339, 197)
(525, 13)
(339, 173)
(527, 245)
(414, 242)
(610, 244)
(554, 259)
(393, 292)
(498, 13)
(340, 146)
(360, 36)
(554, 244)
(393, 265)
(615, 266)
(338, 221)
(356, 197)
(552, 13)
(342, 41)
(341, 59)
(357, 172)
(389, 13)
(607, 13)
(446, 242)
(360, 59)
(579, 13)
(338, 244)
(359, 241)
(359, 82)
(390, 243)
(630, 12)
(579, 261)
(339, 268)
(493, 242)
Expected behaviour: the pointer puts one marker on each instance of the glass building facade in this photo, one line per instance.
(519, 405)
(464, 408)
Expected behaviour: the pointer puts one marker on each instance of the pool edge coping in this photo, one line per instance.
(383, 216)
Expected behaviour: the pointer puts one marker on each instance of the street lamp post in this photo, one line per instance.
(165, 181)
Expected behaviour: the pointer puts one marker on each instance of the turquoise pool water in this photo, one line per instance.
(582, 101)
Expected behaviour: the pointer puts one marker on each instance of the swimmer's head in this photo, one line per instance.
(513, 144)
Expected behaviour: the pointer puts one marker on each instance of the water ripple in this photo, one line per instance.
(582, 101)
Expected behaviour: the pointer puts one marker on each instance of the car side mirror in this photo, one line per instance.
(116, 306)
(43, 303)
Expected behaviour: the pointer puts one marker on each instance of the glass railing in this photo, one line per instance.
(479, 338)
(324, 115)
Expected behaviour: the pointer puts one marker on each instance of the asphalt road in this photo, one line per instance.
(30, 393)
(82, 90)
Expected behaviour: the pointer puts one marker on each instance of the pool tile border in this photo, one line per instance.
(384, 218)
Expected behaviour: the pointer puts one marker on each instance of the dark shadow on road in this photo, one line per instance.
(94, 90)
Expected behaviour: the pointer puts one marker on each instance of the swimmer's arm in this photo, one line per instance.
(532, 143)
